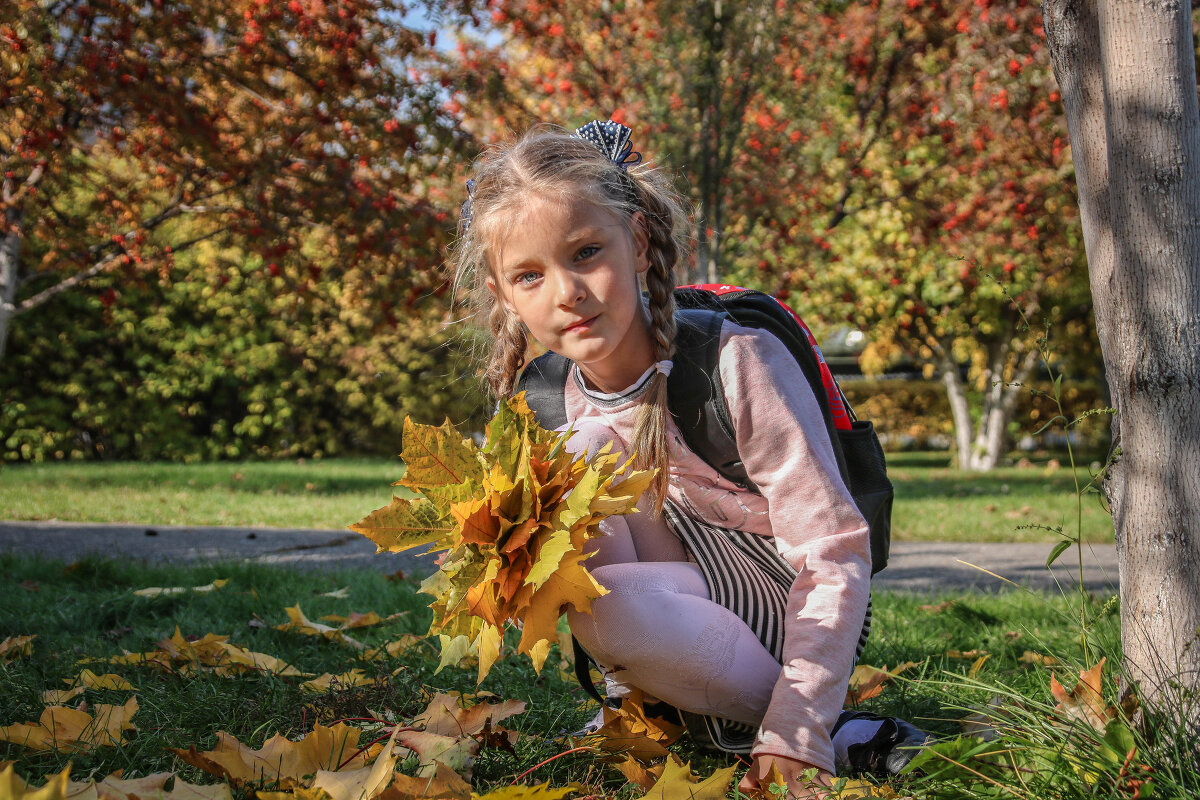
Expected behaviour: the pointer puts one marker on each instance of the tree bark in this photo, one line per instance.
(1128, 79)
(10, 280)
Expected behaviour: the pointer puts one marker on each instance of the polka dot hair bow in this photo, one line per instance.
(613, 140)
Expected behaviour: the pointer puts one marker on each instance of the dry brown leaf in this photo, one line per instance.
(968, 655)
(628, 731)
(179, 655)
(281, 760)
(13, 787)
(355, 677)
(1037, 659)
(151, 787)
(1085, 702)
(432, 749)
(90, 680)
(446, 716)
(74, 729)
(867, 681)
(303, 625)
(60, 697)
(395, 648)
(14, 647)
(357, 620)
(365, 783)
(444, 784)
(945, 605)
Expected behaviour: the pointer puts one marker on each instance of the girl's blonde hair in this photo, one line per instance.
(551, 162)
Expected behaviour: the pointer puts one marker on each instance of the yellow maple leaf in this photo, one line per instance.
(867, 681)
(13, 787)
(280, 760)
(542, 792)
(74, 729)
(394, 648)
(14, 647)
(678, 783)
(90, 680)
(364, 783)
(356, 620)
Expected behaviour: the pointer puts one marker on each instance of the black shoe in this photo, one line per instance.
(887, 752)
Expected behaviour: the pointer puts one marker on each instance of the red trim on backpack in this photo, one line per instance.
(837, 404)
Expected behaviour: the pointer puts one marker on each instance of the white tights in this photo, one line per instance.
(657, 629)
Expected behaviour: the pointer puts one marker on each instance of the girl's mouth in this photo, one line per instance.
(580, 326)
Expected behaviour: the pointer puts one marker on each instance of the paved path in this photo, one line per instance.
(924, 567)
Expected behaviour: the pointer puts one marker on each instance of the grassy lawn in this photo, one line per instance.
(88, 610)
(933, 502)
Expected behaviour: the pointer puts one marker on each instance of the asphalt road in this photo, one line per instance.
(921, 567)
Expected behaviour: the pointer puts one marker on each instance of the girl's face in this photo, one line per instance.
(569, 270)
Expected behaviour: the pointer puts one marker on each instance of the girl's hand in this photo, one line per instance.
(759, 778)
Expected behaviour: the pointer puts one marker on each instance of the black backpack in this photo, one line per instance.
(697, 402)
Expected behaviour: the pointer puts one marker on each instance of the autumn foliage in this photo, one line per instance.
(514, 516)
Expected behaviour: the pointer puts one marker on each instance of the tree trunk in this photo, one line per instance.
(10, 251)
(960, 410)
(1128, 79)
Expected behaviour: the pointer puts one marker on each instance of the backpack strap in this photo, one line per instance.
(544, 381)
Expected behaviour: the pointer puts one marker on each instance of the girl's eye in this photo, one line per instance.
(526, 278)
(587, 252)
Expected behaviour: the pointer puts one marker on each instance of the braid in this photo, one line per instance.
(650, 440)
(508, 353)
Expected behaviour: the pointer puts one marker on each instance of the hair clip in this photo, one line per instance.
(613, 140)
(464, 213)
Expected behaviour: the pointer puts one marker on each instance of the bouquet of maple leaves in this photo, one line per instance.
(514, 517)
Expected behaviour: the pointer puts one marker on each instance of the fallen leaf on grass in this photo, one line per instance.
(212, 651)
(357, 620)
(1037, 659)
(60, 697)
(444, 784)
(355, 677)
(160, 591)
(340, 594)
(13, 787)
(450, 733)
(74, 729)
(639, 774)
(14, 647)
(678, 783)
(395, 648)
(364, 783)
(90, 680)
(151, 787)
(1085, 702)
(867, 681)
(281, 760)
(628, 730)
(945, 605)
(542, 792)
(969, 655)
(303, 625)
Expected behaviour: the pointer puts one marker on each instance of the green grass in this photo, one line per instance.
(933, 502)
(88, 610)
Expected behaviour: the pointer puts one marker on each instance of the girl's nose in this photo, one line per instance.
(569, 289)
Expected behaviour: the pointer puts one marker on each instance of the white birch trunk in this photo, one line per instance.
(10, 252)
(1127, 74)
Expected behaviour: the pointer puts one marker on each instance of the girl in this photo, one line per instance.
(741, 608)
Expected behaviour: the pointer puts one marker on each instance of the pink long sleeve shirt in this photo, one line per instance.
(802, 504)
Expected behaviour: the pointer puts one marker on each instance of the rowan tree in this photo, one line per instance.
(1128, 77)
(873, 163)
(256, 121)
